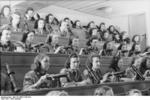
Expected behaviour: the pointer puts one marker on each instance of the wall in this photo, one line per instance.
(61, 13)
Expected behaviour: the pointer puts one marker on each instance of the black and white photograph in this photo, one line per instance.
(74, 48)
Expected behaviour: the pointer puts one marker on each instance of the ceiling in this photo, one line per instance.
(103, 8)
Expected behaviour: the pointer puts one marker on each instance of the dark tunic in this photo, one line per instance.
(32, 77)
(89, 76)
(74, 75)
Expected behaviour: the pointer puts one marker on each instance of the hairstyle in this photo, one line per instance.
(57, 93)
(91, 31)
(133, 38)
(90, 40)
(71, 39)
(102, 91)
(55, 20)
(47, 17)
(16, 13)
(29, 8)
(105, 45)
(132, 91)
(88, 25)
(75, 23)
(101, 25)
(2, 10)
(109, 28)
(133, 46)
(25, 36)
(73, 55)
(36, 24)
(36, 66)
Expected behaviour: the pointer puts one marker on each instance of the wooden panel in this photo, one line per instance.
(118, 88)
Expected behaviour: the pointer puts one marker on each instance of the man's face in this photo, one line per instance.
(96, 62)
(74, 63)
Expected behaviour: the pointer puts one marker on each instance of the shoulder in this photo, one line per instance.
(30, 74)
(64, 71)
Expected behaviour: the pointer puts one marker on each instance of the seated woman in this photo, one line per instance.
(73, 72)
(65, 31)
(102, 29)
(123, 51)
(5, 15)
(133, 72)
(107, 49)
(15, 24)
(27, 40)
(29, 20)
(136, 39)
(135, 50)
(73, 46)
(92, 73)
(5, 42)
(78, 30)
(52, 45)
(106, 36)
(104, 91)
(37, 77)
(40, 27)
(92, 47)
(145, 68)
(52, 24)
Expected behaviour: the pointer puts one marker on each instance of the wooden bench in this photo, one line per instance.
(20, 63)
(118, 88)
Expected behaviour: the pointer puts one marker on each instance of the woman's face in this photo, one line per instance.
(96, 63)
(112, 28)
(75, 42)
(137, 39)
(74, 63)
(138, 62)
(41, 24)
(16, 18)
(6, 35)
(45, 63)
(109, 46)
(6, 11)
(94, 32)
(106, 35)
(120, 64)
(138, 48)
(94, 42)
(30, 37)
(55, 39)
(51, 18)
(117, 36)
(92, 25)
(78, 24)
(103, 27)
(30, 13)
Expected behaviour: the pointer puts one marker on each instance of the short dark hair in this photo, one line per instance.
(36, 23)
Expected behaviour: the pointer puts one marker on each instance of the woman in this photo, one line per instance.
(94, 33)
(5, 16)
(37, 77)
(73, 71)
(136, 39)
(78, 30)
(15, 24)
(27, 40)
(40, 27)
(52, 23)
(135, 50)
(107, 49)
(6, 45)
(29, 20)
(102, 29)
